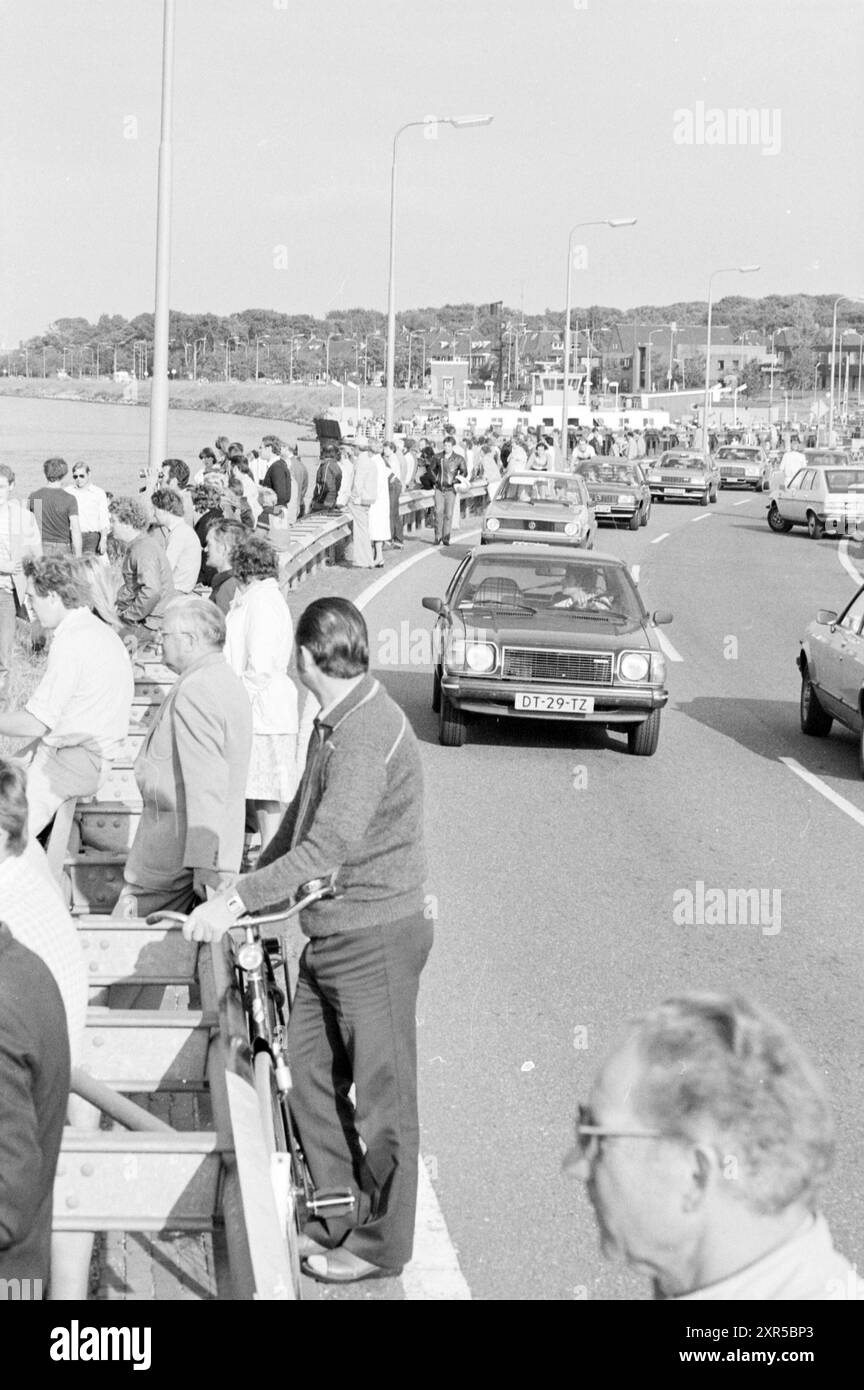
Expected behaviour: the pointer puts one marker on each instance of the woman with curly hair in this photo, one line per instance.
(258, 646)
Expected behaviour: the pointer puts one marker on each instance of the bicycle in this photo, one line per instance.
(256, 965)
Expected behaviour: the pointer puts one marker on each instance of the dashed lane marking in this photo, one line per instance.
(658, 539)
(847, 563)
(824, 790)
(667, 648)
(743, 502)
(703, 516)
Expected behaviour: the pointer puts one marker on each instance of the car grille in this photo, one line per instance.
(728, 470)
(675, 480)
(541, 664)
(604, 497)
(534, 525)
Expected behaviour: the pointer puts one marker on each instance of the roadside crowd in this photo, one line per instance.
(707, 1133)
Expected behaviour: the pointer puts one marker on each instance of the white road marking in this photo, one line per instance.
(703, 516)
(434, 1273)
(849, 567)
(743, 502)
(824, 790)
(658, 539)
(667, 648)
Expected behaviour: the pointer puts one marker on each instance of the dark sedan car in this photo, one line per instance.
(618, 490)
(535, 633)
(831, 662)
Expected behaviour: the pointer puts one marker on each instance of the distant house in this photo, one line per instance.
(448, 379)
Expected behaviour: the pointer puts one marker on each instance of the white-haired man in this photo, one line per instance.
(703, 1147)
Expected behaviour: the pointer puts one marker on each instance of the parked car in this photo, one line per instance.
(551, 507)
(533, 632)
(683, 474)
(618, 490)
(831, 662)
(743, 465)
(826, 495)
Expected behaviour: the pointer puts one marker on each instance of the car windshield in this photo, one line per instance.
(844, 479)
(691, 462)
(619, 473)
(734, 452)
(523, 487)
(585, 586)
(828, 460)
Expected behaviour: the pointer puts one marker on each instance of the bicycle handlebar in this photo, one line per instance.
(312, 892)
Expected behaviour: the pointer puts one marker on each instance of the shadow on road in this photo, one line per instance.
(771, 729)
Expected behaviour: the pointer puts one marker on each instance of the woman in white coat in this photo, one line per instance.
(379, 512)
(258, 645)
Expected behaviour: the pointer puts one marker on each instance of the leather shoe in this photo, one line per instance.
(307, 1246)
(340, 1266)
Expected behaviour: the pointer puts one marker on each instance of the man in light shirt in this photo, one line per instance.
(32, 907)
(92, 510)
(182, 546)
(78, 715)
(703, 1148)
(19, 537)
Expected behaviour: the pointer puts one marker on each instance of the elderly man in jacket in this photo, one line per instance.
(147, 583)
(191, 771)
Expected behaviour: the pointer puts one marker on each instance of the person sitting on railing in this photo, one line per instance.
(78, 715)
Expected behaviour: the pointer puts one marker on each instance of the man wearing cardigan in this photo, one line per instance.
(358, 812)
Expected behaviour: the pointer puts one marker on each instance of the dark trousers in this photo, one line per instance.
(90, 542)
(395, 487)
(353, 1023)
(444, 503)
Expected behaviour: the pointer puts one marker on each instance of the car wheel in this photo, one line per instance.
(815, 720)
(451, 724)
(705, 498)
(633, 523)
(436, 692)
(713, 495)
(646, 513)
(776, 521)
(815, 529)
(642, 739)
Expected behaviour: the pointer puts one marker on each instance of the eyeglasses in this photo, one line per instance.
(79, 476)
(590, 1135)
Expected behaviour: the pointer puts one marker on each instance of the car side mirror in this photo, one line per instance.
(661, 616)
(826, 616)
(435, 605)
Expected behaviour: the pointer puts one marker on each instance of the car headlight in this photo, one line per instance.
(492, 523)
(653, 477)
(572, 528)
(752, 472)
(480, 656)
(626, 498)
(634, 666)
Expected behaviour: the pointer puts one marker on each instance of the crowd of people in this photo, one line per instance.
(708, 1132)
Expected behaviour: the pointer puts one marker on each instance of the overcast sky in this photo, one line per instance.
(284, 116)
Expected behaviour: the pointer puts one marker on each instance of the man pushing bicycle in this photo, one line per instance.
(359, 812)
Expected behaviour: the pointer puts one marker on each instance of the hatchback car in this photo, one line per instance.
(532, 632)
(831, 662)
(531, 506)
(618, 490)
(743, 465)
(684, 475)
(826, 495)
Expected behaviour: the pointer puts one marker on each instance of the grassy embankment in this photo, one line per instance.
(296, 403)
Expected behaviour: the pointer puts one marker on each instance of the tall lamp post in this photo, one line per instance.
(565, 402)
(786, 329)
(852, 299)
(723, 270)
(159, 394)
(459, 123)
(845, 396)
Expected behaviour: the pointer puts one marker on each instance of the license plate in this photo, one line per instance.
(603, 508)
(553, 704)
(676, 492)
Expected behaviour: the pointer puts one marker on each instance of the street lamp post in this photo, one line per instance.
(845, 396)
(723, 270)
(159, 394)
(459, 123)
(785, 329)
(565, 402)
(661, 329)
(853, 299)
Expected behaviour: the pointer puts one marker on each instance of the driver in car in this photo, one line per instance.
(583, 588)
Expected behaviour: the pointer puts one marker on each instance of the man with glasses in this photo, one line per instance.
(92, 510)
(706, 1139)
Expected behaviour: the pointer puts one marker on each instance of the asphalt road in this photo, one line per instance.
(554, 858)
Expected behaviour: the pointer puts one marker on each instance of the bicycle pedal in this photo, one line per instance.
(337, 1201)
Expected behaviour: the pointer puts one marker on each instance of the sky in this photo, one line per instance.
(284, 118)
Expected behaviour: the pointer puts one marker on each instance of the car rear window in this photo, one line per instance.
(844, 479)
